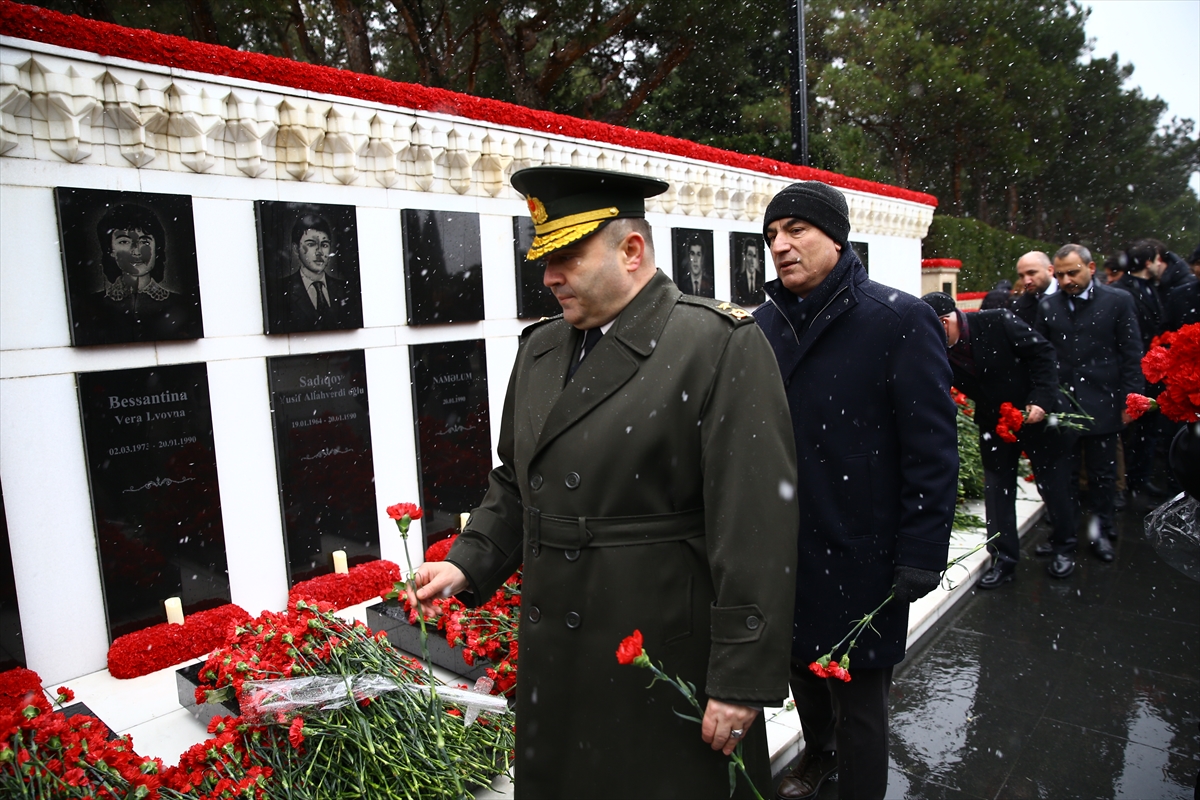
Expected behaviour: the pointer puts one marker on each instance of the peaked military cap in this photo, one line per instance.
(569, 203)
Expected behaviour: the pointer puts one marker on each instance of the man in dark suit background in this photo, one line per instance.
(996, 359)
(1094, 330)
(1036, 276)
(315, 300)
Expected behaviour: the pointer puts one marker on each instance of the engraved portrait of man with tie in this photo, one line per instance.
(694, 261)
(749, 272)
(313, 283)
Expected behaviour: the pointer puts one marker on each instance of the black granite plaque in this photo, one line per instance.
(153, 474)
(748, 270)
(443, 266)
(323, 450)
(454, 439)
(534, 300)
(308, 256)
(12, 646)
(863, 250)
(692, 253)
(130, 264)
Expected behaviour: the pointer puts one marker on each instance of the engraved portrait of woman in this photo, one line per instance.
(131, 278)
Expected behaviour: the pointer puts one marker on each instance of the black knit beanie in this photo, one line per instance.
(815, 202)
(941, 303)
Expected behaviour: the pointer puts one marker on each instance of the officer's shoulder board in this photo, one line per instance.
(528, 329)
(723, 308)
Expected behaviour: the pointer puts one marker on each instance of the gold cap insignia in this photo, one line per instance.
(537, 210)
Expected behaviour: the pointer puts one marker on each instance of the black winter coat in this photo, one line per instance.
(1183, 306)
(1013, 364)
(868, 385)
(1147, 303)
(1099, 350)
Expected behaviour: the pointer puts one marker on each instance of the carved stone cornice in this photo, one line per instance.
(81, 108)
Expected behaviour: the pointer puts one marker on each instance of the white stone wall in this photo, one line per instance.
(74, 119)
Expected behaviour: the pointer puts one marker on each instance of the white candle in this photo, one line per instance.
(463, 519)
(339, 562)
(174, 610)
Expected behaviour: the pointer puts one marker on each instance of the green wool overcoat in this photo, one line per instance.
(654, 490)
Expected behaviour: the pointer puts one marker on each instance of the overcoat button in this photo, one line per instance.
(572, 555)
(573, 620)
(752, 623)
(572, 480)
(535, 614)
(535, 550)
(535, 481)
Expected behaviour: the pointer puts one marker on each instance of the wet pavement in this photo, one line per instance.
(1086, 687)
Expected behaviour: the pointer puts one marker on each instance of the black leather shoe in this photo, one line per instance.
(1044, 549)
(1103, 549)
(1000, 572)
(1062, 566)
(805, 779)
(1152, 489)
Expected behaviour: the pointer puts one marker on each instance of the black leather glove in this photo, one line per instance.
(913, 584)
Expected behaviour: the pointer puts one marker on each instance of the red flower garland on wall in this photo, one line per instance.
(161, 646)
(40, 25)
(360, 584)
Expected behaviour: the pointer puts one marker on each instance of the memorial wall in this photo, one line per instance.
(238, 317)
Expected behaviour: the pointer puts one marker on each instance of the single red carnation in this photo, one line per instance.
(816, 669)
(1136, 405)
(296, 732)
(630, 648)
(65, 695)
(400, 510)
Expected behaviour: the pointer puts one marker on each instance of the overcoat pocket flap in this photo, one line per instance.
(737, 624)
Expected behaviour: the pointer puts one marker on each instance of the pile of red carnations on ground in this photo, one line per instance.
(400, 739)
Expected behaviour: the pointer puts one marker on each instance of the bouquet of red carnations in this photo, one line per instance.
(1174, 361)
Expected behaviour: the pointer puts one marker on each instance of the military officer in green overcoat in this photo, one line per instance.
(647, 481)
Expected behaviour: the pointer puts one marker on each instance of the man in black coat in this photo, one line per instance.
(999, 359)
(1036, 275)
(867, 381)
(1141, 263)
(1183, 302)
(1094, 330)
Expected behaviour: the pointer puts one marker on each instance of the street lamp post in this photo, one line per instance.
(799, 87)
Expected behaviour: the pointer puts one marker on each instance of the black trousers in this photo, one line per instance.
(850, 718)
(1099, 452)
(1140, 439)
(1049, 453)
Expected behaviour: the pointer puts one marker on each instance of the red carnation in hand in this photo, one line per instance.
(1136, 405)
(630, 649)
(1011, 420)
(400, 510)
(816, 669)
(836, 670)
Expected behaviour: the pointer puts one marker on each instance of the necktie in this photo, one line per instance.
(322, 299)
(590, 338)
